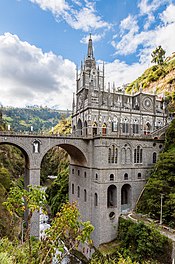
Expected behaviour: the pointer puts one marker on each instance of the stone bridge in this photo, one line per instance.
(35, 147)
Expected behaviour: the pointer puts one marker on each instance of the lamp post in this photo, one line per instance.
(161, 203)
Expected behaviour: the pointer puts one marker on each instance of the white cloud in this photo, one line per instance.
(33, 77)
(149, 21)
(145, 41)
(147, 8)
(121, 73)
(57, 7)
(129, 23)
(95, 38)
(168, 15)
(79, 15)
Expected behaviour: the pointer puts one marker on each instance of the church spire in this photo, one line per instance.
(90, 48)
(90, 60)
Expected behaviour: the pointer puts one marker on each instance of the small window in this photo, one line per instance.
(96, 199)
(126, 176)
(154, 157)
(78, 192)
(111, 215)
(78, 172)
(85, 195)
(96, 176)
(139, 175)
(112, 177)
(85, 174)
(72, 188)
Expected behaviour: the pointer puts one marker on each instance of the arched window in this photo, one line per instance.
(116, 155)
(79, 127)
(126, 176)
(135, 127)
(36, 146)
(126, 155)
(95, 199)
(85, 128)
(111, 177)
(109, 155)
(114, 126)
(85, 195)
(125, 126)
(78, 191)
(94, 129)
(72, 188)
(138, 155)
(139, 176)
(113, 154)
(112, 196)
(147, 128)
(104, 128)
(154, 157)
(126, 196)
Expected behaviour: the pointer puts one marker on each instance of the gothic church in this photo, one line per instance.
(124, 135)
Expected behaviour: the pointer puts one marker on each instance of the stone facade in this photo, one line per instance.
(119, 130)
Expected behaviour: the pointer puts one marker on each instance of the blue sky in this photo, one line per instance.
(42, 41)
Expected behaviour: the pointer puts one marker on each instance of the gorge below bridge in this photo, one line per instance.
(34, 147)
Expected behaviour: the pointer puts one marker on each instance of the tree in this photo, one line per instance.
(158, 55)
(66, 229)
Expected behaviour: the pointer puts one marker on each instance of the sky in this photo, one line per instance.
(43, 41)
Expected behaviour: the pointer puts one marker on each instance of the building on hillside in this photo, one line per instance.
(122, 132)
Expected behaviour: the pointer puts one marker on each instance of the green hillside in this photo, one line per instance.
(40, 118)
(159, 78)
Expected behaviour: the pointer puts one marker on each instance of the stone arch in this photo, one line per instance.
(112, 196)
(79, 127)
(77, 155)
(126, 196)
(27, 158)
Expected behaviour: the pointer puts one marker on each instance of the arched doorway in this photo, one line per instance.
(112, 196)
(125, 197)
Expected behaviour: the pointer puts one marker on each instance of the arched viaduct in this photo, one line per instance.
(35, 147)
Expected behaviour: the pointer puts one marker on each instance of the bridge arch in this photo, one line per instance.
(76, 154)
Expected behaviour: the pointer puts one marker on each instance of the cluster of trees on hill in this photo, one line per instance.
(41, 119)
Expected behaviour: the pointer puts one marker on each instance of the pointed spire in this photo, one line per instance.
(90, 48)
